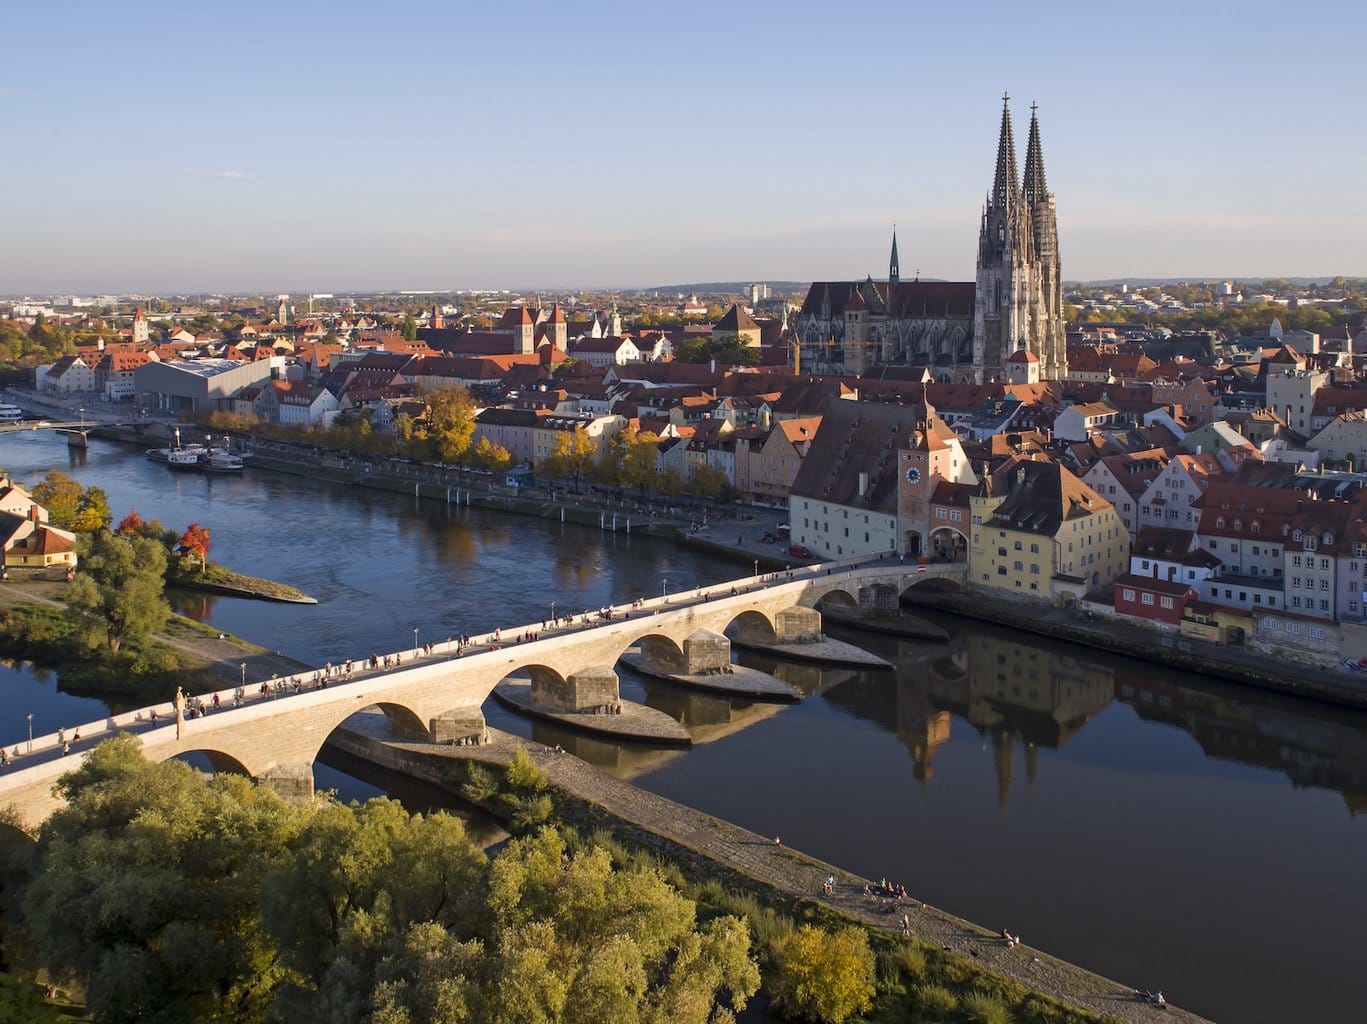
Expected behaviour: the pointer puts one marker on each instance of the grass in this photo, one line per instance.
(217, 577)
(22, 1002)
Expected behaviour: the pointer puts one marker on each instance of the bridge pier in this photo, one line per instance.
(294, 782)
(461, 726)
(797, 625)
(590, 688)
(706, 652)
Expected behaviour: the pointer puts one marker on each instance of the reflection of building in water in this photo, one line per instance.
(1313, 745)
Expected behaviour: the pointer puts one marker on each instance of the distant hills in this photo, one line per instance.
(1149, 282)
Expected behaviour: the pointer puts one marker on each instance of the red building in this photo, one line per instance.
(1160, 601)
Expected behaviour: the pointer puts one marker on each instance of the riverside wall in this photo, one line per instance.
(1158, 646)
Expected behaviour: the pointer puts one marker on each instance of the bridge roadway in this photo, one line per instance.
(273, 733)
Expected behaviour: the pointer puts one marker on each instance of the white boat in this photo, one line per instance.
(164, 454)
(220, 460)
(10, 412)
(184, 458)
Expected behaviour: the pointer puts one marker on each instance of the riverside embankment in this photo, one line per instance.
(704, 842)
(1163, 648)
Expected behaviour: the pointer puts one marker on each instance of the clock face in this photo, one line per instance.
(913, 475)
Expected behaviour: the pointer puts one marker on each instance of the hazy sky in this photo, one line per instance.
(297, 146)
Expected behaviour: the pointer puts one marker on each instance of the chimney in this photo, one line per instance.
(33, 513)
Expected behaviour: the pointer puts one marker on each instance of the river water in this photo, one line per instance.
(1158, 827)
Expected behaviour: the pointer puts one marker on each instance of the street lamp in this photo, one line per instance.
(415, 639)
(30, 732)
(756, 568)
(243, 667)
(664, 588)
(552, 615)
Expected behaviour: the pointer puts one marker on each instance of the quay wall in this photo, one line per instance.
(1157, 646)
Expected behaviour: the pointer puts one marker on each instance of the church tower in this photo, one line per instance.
(894, 274)
(1047, 336)
(1006, 261)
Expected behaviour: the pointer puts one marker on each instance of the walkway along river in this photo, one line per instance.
(1146, 823)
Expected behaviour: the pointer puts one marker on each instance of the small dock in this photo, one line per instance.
(824, 651)
(636, 721)
(738, 681)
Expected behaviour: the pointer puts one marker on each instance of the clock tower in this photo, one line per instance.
(936, 456)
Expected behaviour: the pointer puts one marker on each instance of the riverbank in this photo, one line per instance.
(709, 846)
(1163, 648)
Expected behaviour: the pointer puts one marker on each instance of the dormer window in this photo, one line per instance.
(1255, 527)
(1220, 523)
(1328, 537)
(1309, 542)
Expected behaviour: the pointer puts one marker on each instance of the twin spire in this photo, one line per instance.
(1004, 189)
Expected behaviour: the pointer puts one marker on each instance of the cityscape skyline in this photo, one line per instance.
(607, 147)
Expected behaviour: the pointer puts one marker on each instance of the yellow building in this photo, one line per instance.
(1046, 535)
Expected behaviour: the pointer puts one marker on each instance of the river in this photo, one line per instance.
(1150, 824)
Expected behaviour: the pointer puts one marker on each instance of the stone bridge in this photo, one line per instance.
(439, 695)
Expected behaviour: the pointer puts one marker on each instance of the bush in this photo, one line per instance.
(911, 959)
(936, 999)
(824, 976)
(528, 811)
(981, 1008)
(767, 925)
(480, 785)
(524, 776)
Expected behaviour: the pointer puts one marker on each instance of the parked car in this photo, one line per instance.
(798, 551)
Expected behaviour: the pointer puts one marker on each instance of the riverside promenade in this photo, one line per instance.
(786, 870)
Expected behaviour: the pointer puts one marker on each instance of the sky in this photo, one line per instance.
(298, 146)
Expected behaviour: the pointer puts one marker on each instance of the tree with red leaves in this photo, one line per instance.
(195, 541)
(130, 524)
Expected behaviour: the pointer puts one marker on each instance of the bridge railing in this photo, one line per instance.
(354, 670)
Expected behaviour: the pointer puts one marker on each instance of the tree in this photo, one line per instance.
(92, 511)
(130, 524)
(60, 495)
(171, 898)
(570, 456)
(638, 458)
(451, 414)
(726, 349)
(707, 481)
(121, 581)
(195, 542)
(410, 328)
(824, 976)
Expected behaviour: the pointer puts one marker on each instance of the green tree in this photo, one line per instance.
(92, 511)
(60, 495)
(144, 887)
(121, 581)
(824, 976)
(410, 328)
(707, 481)
(570, 456)
(726, 349)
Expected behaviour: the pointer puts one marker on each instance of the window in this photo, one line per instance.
(1001, 570)
(1019, 567)
(1127, 594)
(956, 516)
(1034, 568)
(1034, 549)
(1018, 545)
(1324, 563)
(1146, 599)
(939, 513)
(1295, 602)
(1001, 552)
(1296, 561)
(1324, 606)
(1324, 584)
(1165, 602)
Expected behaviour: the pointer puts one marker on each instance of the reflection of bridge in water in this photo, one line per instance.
(441, 695)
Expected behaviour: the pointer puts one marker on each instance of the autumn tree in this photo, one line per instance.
(824, 976)
(121, 582)
(707, 481)
(491, 456)
(195, 543)
(130, 524)
(92, 511)
(61, 496)
(638, 459)
(570, 456)
(451, 419)
(409, 330)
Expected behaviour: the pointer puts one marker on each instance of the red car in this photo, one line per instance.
(798, 551)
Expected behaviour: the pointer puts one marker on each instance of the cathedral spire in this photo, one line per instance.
(1035, 188)
(1004, 189)
(894, 274)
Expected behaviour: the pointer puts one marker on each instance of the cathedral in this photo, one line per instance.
(957, 332)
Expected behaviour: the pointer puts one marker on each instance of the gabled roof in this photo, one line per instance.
(1043, 496)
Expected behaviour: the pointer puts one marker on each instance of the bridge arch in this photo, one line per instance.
(220, 762)
(752, 626)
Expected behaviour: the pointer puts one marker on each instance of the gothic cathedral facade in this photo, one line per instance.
(959, 332)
